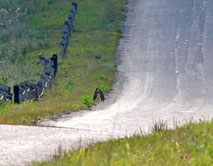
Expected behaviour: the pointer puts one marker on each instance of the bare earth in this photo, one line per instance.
(165, 72)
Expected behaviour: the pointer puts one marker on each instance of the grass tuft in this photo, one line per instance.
(159, 127)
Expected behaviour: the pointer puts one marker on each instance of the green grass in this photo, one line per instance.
(90, 56)
(190, 145)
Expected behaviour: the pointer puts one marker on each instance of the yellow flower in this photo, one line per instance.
(127, 146)
(150, 159)
(133, 157)
(177, 145)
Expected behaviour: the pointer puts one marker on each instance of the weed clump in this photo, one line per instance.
(86, 100)
(159, 127)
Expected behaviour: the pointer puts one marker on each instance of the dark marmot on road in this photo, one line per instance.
(99, 91)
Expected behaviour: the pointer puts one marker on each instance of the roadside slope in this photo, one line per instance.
(190, 144)
(89, 59)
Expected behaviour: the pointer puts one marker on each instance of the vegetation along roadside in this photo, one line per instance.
(89, 59)
(191, 144)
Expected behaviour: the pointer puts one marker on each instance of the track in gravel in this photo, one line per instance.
(165, 72)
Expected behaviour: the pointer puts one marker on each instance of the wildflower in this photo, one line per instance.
(177, 145)
(127, 146)
(149, 159)
(17, 9)
(186, 156)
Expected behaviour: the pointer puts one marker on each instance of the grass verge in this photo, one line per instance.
(191, 145)
(90, 56)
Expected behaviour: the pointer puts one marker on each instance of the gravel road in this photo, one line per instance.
(166, 68)
(165, 72)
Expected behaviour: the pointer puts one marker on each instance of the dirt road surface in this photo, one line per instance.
(165, 72)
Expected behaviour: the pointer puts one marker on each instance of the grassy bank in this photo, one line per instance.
(90, 56)
(191, 145)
